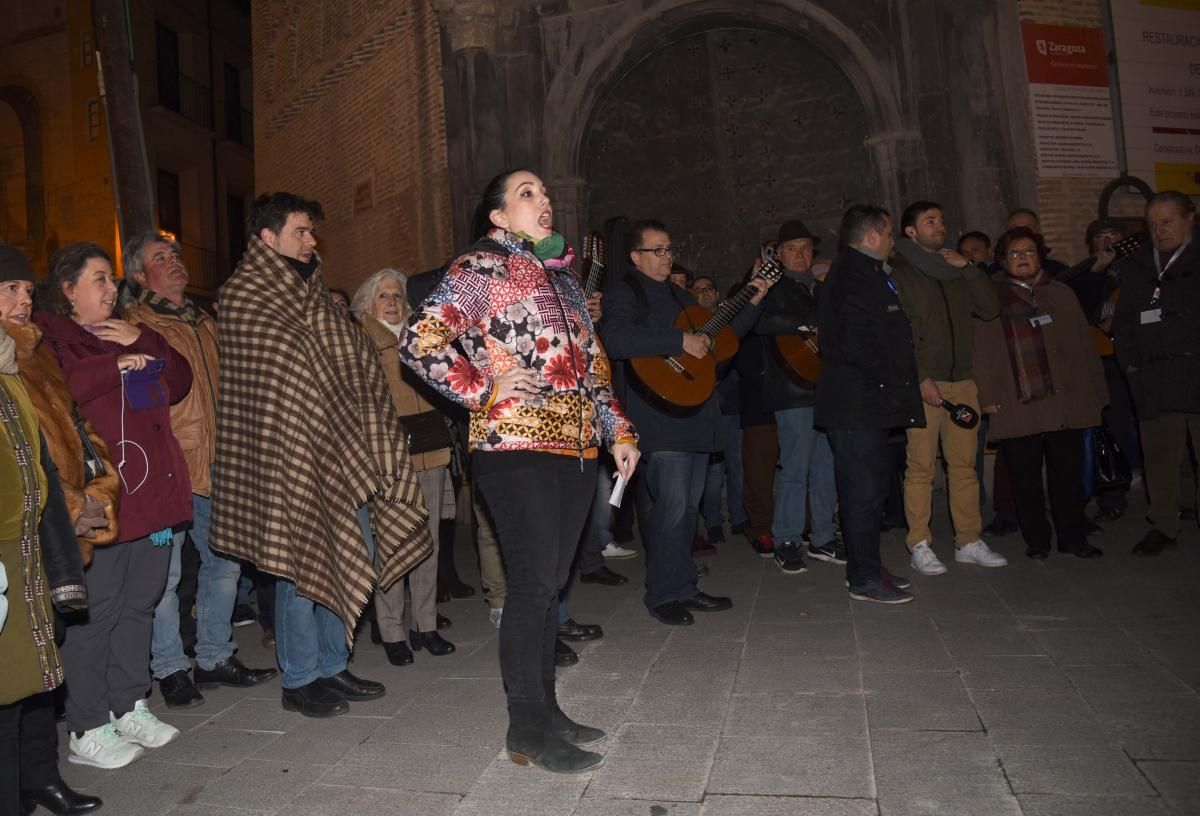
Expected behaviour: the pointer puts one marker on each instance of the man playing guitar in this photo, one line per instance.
(805, 457)
(639, 317)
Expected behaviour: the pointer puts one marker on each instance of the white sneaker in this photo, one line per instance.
(494, 615)
(102, 748)
(979, 553)
(142, 727)
(616, 551)
(924, 561)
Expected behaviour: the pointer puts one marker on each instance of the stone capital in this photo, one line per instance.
(474, 23)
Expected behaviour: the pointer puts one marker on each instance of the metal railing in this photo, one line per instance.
(178, 92)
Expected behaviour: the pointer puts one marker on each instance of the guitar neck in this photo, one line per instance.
(726, 312)
(595, 274)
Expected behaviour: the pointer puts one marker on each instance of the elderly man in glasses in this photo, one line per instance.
(639, 322)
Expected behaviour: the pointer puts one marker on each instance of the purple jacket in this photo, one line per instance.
(89, 366)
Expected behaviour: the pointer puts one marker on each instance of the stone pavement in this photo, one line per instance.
(1055, 688)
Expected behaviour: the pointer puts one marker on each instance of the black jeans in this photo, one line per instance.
(1062, 452)
(863, 466)
(540, 502)
(28, 749)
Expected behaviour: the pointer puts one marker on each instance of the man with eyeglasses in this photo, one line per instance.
(640, 314)
(1156, 331)
(806, 461)
(942, 293)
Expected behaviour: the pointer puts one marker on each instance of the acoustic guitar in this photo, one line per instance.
(594, 252)
(1122, 249)
(799, 356)
(684, 381)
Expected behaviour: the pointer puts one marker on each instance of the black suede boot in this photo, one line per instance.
(559, 724)
(530, 742)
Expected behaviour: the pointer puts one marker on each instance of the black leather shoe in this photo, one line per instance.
(443, 622)
(579, 631)
(352, 688)
(431, 642)
(458, 589)
(231, 672)
(703, 602)
(60, 800)
(1037, 553)
(315, 699)
(1087, 551)
(1153, 543)
(672, 613)
(443, 595)
(398, 654)
(564, 655)
(178, 691)
(602, 575)
(1001, 526)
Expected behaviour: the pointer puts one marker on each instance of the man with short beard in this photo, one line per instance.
(153, 260)
(306, 435)
(942, 292)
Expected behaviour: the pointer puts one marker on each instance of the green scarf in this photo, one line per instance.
(552, 246)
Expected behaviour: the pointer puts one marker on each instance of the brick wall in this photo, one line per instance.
(349, 111)
(1067, 206)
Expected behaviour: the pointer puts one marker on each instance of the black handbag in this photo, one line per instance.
(426, 432)
(1109, 465)
(93, 465)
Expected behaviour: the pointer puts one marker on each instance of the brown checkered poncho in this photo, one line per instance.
(306, 433)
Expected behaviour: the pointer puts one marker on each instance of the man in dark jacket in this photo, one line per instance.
(1156, 330)
(639, 322)
(942, 292)
(806, 461)
(868, 385)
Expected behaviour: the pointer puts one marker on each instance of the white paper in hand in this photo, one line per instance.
(618, 491)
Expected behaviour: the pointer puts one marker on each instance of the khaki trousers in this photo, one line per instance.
(491, 563)
(419, 586)
(1164, 446)
(958, 448)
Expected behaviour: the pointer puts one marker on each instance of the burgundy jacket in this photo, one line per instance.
(89, 365)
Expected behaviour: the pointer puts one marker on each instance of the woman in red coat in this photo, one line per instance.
(124, 379)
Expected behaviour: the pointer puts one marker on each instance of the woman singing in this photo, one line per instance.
(529, 367)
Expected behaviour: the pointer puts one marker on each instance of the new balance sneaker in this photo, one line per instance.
(140, 726)
(924, 561)
(789, 555)
(879, 592)
(826, 552)
(764, 545)
(103, 748)
(979, 553)
(615, 551)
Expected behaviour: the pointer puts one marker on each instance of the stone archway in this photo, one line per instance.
(28, 111)
(591, 67)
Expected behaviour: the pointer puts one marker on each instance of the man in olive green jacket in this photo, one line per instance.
(942, 292)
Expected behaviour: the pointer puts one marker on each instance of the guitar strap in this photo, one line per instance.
(639, 294)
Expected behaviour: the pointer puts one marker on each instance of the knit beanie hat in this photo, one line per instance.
(14, 265)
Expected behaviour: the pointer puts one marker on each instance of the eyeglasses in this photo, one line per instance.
(1022, 253)
(659, 251)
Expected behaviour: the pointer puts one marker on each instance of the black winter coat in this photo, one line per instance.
(625, 335)
(868, 368)
(1165, 354)
(786, 309)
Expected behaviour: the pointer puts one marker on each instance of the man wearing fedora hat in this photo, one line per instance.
(806, 460)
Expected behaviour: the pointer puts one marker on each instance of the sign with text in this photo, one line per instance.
(1158, 62)
(1072, 109)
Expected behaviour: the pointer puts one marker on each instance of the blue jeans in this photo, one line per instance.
(310, 640)
(806, 474)
(727, 473)
(671, 484)
(216, 594)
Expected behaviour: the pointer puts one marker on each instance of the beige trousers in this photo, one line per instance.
(419, 587)
(962, 485)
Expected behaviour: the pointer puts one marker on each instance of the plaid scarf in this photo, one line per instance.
(1026, 345)
(306, 434)
(186, 312)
